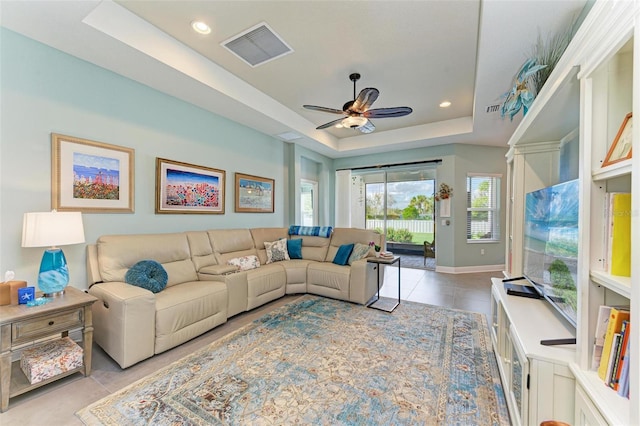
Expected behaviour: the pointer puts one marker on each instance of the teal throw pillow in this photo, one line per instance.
(147, 274)
(342, 256)
(294, 247)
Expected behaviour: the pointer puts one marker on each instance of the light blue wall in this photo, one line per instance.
(44, 90)
(474, 159)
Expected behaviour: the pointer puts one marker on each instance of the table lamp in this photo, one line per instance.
(52, 229)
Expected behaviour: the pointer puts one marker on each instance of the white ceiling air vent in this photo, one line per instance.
(257, 45)
(493, 108)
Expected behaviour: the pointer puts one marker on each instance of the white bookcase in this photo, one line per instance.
(593, 87)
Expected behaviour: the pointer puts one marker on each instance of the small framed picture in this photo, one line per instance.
(254, 194)
(621, 147)
(187, 188)
(91, 177)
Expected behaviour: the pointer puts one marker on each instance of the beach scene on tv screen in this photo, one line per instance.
(551, 243)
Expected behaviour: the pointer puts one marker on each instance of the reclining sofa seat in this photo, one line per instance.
(132, 324)
(246, 289)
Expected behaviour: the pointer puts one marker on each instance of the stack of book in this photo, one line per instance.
(386, 255)
(611, 348)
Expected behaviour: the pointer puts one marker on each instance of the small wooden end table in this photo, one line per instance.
(384, 261)
(22, 326)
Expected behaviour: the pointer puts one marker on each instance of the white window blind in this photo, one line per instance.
(483, 207)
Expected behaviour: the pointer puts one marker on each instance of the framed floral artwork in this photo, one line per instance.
(91, 177)
(621, 147)
(254, 194)
(187, 188)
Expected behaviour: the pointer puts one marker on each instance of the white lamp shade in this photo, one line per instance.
(49, 229)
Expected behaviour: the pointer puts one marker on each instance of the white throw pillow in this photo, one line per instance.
(276, 250)
(245, 263)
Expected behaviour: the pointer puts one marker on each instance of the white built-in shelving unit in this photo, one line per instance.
(593, 87)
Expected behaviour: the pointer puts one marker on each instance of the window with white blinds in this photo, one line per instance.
(483, 207)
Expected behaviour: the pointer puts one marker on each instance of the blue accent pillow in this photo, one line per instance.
(147, 274)
(294, 247)
(342, 256)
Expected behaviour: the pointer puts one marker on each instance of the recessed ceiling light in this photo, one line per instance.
(200, 27)
(445, 104)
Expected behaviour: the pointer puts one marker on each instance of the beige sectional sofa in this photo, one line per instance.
(203, 290)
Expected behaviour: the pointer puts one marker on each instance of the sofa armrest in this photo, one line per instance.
(124, 321)
(363, 282)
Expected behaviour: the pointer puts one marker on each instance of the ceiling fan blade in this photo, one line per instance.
(324, 109)
(387, 112)
(368, 127)
(329, 124)
(365, 99)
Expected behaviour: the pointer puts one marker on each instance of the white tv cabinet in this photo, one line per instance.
(537, 381)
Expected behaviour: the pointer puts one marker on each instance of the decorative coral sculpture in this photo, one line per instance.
(523, 93)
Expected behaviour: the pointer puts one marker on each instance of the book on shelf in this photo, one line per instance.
(616, 317)
(612, 358)
(618, 230)
(623, 384)
(620, 353)
(601, 332)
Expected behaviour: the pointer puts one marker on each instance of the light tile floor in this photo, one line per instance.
(56, 403)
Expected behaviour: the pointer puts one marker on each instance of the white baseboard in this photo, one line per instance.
(469, 269)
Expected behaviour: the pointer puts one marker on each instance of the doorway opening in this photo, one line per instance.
(309, 202)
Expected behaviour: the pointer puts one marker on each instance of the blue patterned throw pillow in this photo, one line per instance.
(147, 274)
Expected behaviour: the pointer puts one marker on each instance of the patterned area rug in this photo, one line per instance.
(322, 361)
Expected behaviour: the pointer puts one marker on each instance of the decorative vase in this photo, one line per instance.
(54, 273)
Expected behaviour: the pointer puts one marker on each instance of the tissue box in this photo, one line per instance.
(5, 294)
(50, 359)
(9, 292)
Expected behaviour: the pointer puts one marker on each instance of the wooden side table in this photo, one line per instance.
(385, 261)
(22, 326)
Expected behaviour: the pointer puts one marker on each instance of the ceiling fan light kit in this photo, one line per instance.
(354, 122)
(357, 110)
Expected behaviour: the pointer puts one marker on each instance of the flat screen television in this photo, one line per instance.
(551, 245)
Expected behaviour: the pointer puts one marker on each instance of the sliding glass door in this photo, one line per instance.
(400, 204)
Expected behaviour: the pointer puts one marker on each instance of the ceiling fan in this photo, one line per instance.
(357, 111)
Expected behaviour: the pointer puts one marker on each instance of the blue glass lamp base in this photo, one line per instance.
(54, 273)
